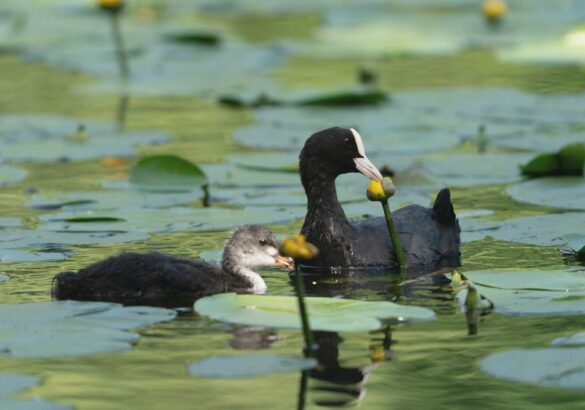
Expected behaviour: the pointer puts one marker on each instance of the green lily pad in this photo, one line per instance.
(43, 239)
(10, 222)
(67, 328)
(234, 367)
(14, 383)
(570, 160)
(112, 199)
(576, 242)
(175, 219)
(270, 162)
(533, 293)
(194, 37)
(10, 175)
(166, 173)
(16, 256)
(326, 314)
(566, 192)
(578, 339)
(550, 367)
(546, 230)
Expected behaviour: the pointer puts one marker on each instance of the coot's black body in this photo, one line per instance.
(430, 238)
(164, 280)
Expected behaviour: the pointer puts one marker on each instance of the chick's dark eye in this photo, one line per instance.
(263, 242)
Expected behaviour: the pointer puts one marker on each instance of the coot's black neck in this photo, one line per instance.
(324, 212)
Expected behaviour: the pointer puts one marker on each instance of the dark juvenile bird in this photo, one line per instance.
(430, 237)
(164, 280)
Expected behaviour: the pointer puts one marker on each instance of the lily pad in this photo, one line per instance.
(48, 240)
(3, 278)
(234, 367)
(566, 192)
(569, 160)
(67, 328)
(532, 293)
(112, 199)
(16, 256)
(578, 339)
(576, 242)
(14, 383)
(544, 230)
(175, 219)
(166, 173)
(10, 222)
(326, 314)
(551, 367)
(10, 175)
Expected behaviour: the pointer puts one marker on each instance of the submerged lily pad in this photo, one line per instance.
(532, 293)
(68, 328)
(234, 367)
(551, 367)
(566, 192)
(326, 314)
(166, 173)
(544, 230)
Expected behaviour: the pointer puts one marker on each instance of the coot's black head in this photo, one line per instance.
(253, 247)
(337, 151)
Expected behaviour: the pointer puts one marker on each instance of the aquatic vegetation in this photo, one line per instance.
(326, 314)
(248, 366)
(563, 193)
(575, 243)
(11, 383)
(568, 161)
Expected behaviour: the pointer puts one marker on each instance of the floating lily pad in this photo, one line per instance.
(175, 219)
(112, 199)
(10, 175)
(326, 314)
(544, 230)
(68, 328)
(566, 192)
(43, 239)
(578, 339)
(166, 173)
(551, 367)
(576, 242)
(9, 222)
(3, 278)
(569, 160)
(234, 367)
(14, 383)
(15, 256)
(533, 293)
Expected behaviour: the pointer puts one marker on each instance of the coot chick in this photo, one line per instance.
(164, 280)
(430, 238)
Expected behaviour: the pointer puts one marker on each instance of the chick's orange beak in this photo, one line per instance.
(284, 262)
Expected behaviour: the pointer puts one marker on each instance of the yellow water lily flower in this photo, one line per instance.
(113, 5)
(381, 190)
(298, 248)
(494, 9)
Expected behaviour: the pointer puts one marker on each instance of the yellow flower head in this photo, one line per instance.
(111, 5)
(298, 248)
(381, 190)
(494, 9)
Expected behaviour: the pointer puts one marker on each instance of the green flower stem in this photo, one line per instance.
(394, 237)
(309, 341)
(119, 44)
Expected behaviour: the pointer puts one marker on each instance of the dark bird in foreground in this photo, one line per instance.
(430, 237)
(164, 280)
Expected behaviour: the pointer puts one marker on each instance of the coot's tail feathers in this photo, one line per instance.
(443, 208)
(65, 286)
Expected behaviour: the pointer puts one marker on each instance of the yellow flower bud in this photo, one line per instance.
(381, 190)
(298, 248)
(494, 9)
(378, 354)
(111, 5)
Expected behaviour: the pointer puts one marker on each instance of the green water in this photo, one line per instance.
(433, 365)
